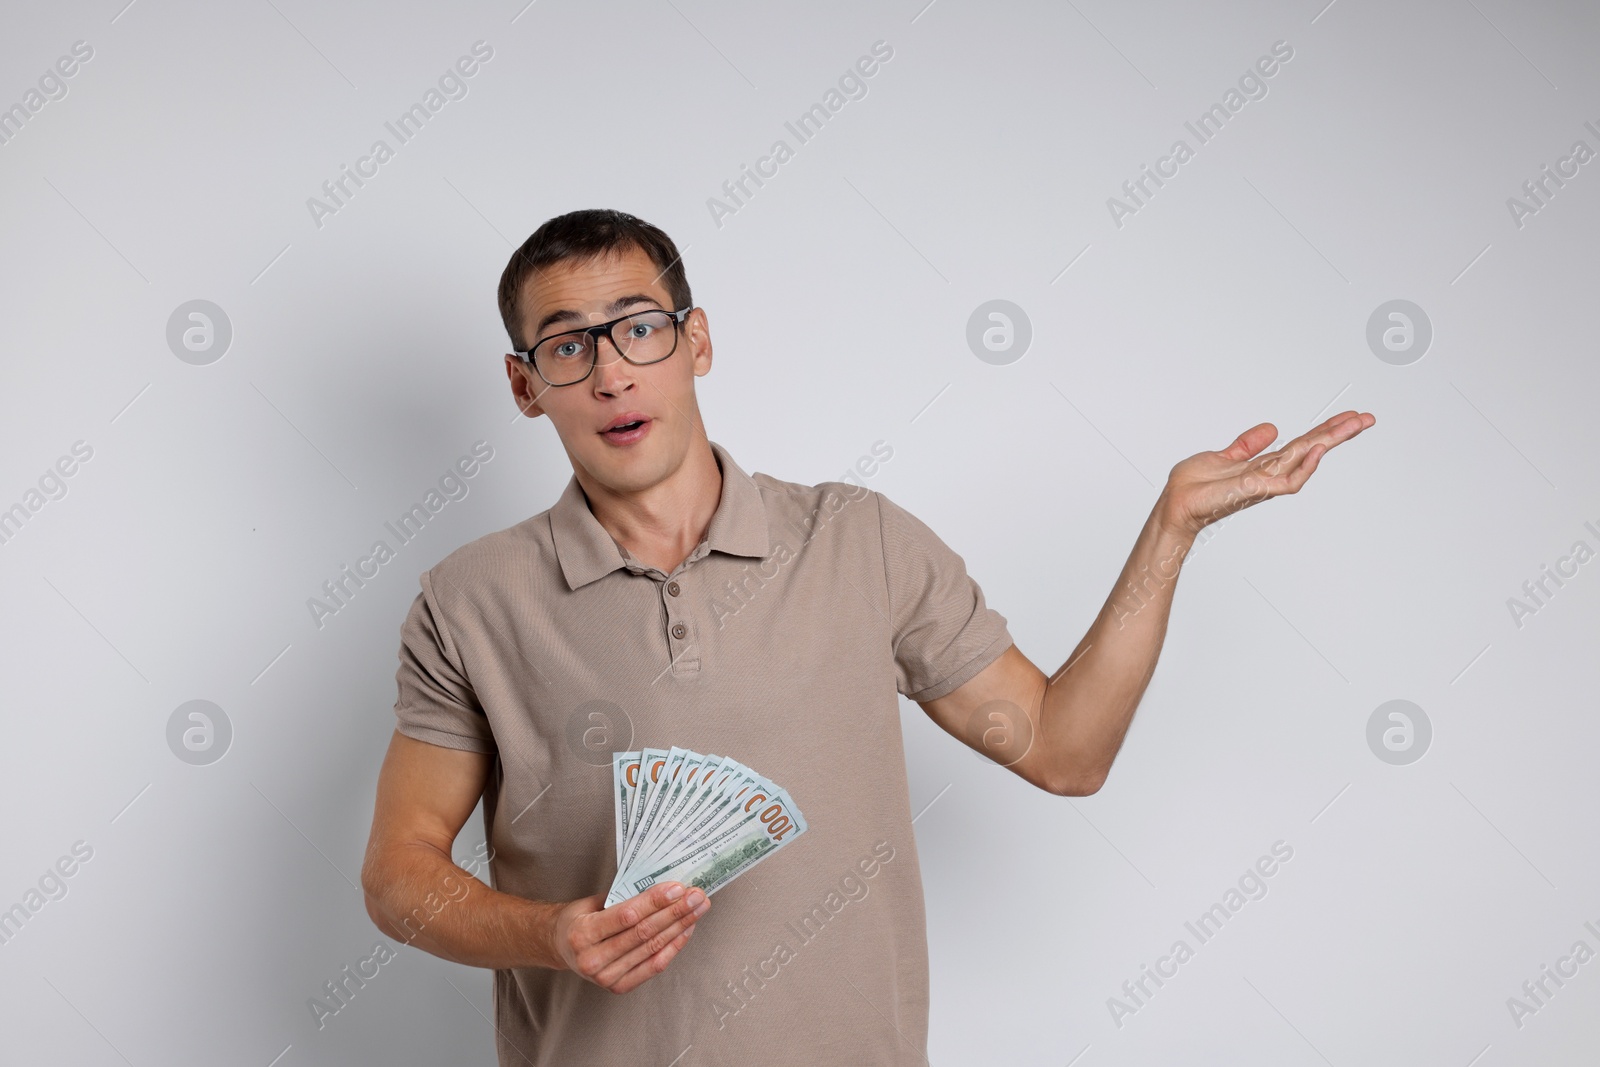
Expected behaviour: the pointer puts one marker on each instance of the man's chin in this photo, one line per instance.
(626, 469)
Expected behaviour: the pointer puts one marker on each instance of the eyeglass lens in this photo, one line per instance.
(647, 337)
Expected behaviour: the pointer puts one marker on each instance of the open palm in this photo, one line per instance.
(1212, 485)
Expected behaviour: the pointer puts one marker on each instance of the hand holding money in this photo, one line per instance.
(621, 947)
(687, 824)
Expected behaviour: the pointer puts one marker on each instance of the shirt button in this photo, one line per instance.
(679, 630)
(672, 588)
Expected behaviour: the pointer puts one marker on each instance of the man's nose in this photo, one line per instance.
(612, 372)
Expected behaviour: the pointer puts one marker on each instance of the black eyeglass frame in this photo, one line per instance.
(595, 332)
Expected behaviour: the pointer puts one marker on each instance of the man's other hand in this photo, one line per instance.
(1211, 485)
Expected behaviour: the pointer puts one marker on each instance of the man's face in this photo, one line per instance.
(572, 294)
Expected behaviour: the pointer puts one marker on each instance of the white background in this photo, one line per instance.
(366, 358)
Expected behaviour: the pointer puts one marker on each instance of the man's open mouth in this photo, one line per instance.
(628, 423)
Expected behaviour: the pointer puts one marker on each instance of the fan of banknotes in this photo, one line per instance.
(701, 820)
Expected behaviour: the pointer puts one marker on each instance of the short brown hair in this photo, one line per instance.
(585, 235)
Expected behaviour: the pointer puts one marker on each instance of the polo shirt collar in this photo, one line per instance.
(588, 552)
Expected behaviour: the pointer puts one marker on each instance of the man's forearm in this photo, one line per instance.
(417, 895)
(1089, 702)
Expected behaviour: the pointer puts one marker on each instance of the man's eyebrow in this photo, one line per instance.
(613, 308)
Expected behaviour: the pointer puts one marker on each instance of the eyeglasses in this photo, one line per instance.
(642, 338)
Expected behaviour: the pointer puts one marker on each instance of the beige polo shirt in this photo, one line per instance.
(781, 641)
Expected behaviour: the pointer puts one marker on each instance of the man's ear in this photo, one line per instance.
(699, 338)
(522, 380)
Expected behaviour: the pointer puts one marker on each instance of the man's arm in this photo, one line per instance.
(1062, 733)
(416, 894)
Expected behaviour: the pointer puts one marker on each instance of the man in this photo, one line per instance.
(669, 598)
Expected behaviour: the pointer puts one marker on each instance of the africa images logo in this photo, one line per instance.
(452, 86)
(1252, 86)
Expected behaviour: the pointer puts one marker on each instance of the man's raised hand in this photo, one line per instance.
(621, 947)
(1212, 485)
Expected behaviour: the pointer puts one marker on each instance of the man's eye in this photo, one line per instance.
(568, 349)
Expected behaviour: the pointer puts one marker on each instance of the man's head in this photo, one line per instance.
(583, 269)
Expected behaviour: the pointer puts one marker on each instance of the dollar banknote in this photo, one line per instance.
(695, 818)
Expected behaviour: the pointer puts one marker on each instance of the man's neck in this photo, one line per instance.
(660, 526)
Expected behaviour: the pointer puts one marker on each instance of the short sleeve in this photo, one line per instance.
(436, 702)
(944, 633)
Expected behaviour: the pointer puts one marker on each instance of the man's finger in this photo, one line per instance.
(1337, 434)
(1348, 428)
(1334, 431)
(1298, 476)
(695, 900)
(1341, 427)
(1282, 479)
(626, 913)
(652, 966)
(1330, 422)
(657, 941)
(1251, 441)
